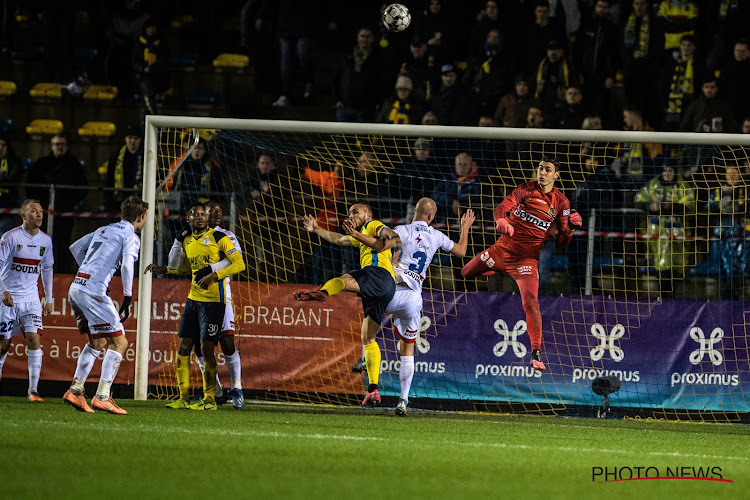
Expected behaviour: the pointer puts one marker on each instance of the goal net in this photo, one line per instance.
(644, 314)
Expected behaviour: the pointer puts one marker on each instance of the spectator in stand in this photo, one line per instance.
(403, 107)
(735, 79)
(746, 125)
(150, 69)
(125, 169)
(635, 161)
(679, 83)
(596, 49)
(537, 37)
(430, 118)
(358, 86)
(264, 185)
(454, 104)
(667, 200)
(677, 19)
(199, 176)
(422, 171)
(434, 26)
(295, 22)
(59, 167)
(514, 107)
(727, 208)
(11, 173)
(123, 30)
(725, 22)
(489, 73)
(424, 74)
(642, 44)
(328, 189)
(569, 113)
(452, 194)
(709, 113)
(487, 20)
(553, 76)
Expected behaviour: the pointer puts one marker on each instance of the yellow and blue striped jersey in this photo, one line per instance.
(368, 256)
(203, 250)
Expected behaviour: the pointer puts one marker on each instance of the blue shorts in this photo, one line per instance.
(202, 321)
(376, 287)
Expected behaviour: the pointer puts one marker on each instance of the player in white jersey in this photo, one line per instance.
(419, 243)
(25, 253)
(99, 254)
(215, 214)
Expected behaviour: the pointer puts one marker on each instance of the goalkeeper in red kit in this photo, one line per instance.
(524, 219)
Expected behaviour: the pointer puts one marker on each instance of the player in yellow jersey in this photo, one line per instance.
(379, 252)
(205, 306)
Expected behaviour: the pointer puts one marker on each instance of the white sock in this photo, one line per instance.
(405, 374)
(2, 362)
(86, 360)
(35, 368)
(109, 371)
(235, 369)
(200, 362)
(363, 351)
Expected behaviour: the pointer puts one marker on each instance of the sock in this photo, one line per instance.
(86, 360)
(183, 376)
(372, 358)
(110, 366)
(209, 384)
(363, 352)
(405, 374)
(529, 289)
(219, 390)
(333, 286)
(35, 368)
(2, 362)
(235, 369)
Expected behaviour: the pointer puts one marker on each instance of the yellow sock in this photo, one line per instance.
(333, 286)
(183, 376)
(372, 358)
(209, 382)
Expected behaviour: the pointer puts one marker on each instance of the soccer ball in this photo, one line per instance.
(396, 17)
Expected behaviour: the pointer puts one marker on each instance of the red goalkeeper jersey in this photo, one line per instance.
(533, 214)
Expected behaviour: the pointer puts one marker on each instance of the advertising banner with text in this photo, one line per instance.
(667, 354)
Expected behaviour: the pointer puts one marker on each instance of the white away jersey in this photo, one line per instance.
(105, 249)
(419, 242)
(22, 259)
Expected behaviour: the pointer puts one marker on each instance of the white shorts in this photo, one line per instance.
(406, 309)
(98, 312)
(227, 327)
(23, 317)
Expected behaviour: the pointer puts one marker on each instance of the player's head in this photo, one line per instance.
(31, 214)
(548, 170)
(197, 217)
(134, 210)
(214, 213)
(360, 213)
(425, 210)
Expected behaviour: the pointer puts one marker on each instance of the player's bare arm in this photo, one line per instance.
(154, 268)
(467, 219)
(311, 225)
(7, 298)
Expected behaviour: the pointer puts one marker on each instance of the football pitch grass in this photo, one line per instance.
(295, 451)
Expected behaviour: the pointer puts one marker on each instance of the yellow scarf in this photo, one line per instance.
(4, 170)
(120, 170)
(639, 46)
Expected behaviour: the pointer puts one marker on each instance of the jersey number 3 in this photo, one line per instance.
(421, 259)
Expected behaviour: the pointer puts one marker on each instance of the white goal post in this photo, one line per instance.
(155, 122)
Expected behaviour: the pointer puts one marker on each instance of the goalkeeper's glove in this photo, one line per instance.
(184, 233)
(503, 226)
(125, 308)
(574, 220)
(202, 273)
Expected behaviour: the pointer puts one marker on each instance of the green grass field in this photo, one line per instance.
(289, 451)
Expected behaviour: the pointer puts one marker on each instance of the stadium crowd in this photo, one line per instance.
(670, 65)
